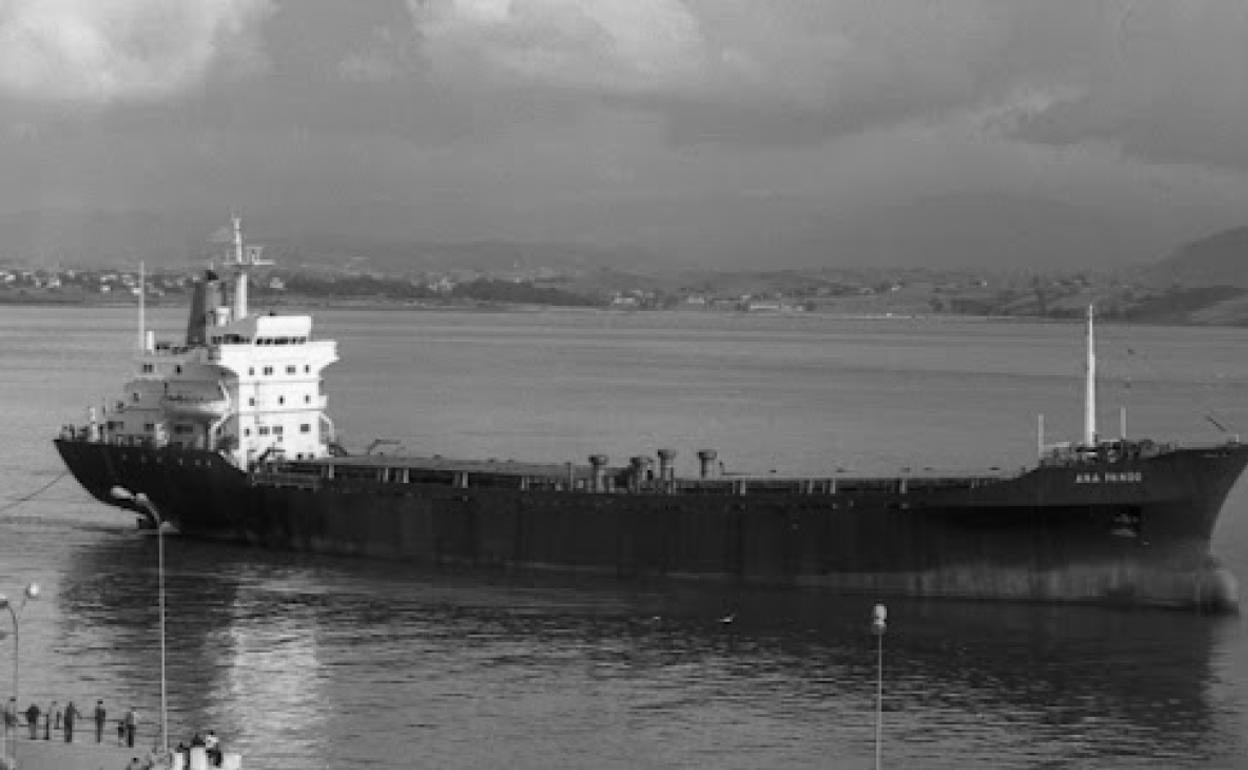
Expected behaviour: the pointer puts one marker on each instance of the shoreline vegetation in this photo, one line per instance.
(1054, 299)
(855, 311)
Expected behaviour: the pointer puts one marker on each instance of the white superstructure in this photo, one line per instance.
(247, 386)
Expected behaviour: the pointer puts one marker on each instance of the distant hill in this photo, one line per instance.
(400, 257)
(734, 233)
(998, 231)
(1001, 231)
(1220, 259)
(51, 238)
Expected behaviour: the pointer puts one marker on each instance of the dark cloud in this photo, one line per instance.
(727, 71)
(1163, 82)
(106, 52)
(674, 122)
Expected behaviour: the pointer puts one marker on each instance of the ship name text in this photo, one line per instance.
(1110, 477)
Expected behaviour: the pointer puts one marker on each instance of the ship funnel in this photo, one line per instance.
(195, 322)
(204, 304)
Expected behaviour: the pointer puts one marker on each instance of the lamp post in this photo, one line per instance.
(141, 500)
(31, 592)
(879, 624)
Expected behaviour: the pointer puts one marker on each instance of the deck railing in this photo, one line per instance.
(324, 475)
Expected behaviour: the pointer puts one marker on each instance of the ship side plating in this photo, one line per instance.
(1133, 530)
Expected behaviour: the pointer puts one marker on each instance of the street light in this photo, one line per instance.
(141, 500)
(31, 592)
(879, 624)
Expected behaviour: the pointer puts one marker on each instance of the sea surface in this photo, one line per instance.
(309, 662)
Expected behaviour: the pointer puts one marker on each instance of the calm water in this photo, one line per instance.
(312, 662)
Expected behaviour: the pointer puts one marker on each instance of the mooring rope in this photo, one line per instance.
(27, 498)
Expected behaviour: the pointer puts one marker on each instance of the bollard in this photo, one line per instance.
(638, 467)
(199, 758)
(667, 469)
(706, 459)
(599, 465)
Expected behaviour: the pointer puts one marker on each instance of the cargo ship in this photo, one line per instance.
(225, 434)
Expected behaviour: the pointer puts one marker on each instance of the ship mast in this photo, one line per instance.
(244, 258)
(1089, 402)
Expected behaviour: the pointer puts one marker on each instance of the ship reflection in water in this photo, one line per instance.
(318, 662)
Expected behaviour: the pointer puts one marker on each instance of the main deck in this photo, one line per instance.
(636, 478)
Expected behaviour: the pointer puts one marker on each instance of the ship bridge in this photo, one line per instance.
(263, 330)
(246, 385)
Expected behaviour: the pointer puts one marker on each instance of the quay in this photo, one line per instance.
(58, 755)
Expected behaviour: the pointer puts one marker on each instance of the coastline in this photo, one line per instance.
(304, 303)
(311, 304)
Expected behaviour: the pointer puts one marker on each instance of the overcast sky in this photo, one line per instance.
(666, 123)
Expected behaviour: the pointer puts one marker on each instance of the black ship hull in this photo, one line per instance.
(1134, 530)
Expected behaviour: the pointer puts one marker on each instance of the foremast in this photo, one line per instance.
(1089, 399)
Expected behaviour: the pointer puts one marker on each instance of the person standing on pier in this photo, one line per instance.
(101, 716)
(71, 715)
(47, 720)
(32, 721)
(10, 718)
(132, 724)
(212, 746)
